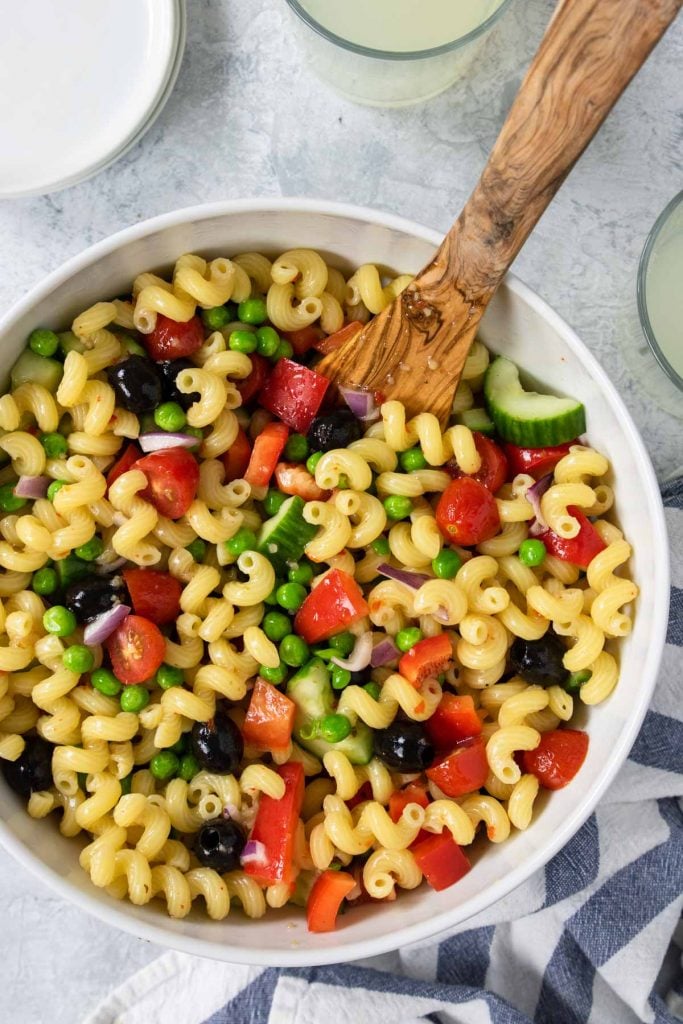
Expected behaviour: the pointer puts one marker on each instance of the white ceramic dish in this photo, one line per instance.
(523, 326)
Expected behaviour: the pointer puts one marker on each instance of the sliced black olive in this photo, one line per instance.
(218, 744)
(540, 661)
(136, 384)
(219, 843)
(168, 370)
(32, 770)
(95, 595)
(336, 430)
(404, 746)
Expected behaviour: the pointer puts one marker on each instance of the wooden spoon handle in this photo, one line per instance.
(590, 52)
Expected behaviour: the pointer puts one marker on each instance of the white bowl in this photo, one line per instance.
(522, 326)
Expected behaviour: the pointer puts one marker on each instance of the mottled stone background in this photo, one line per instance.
(247, 119)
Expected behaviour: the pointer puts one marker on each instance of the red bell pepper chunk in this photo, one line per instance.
(155, 595)
(236, 459)
(557, 758)
(441, 860)
(579, 550)
(334, 341)
(303, 339)
(325, 899)
(124, 463)
(413, 793)
(251, 385)
(275, 827)
(336, 603)
(294, 394)
(536, 461)
(427, 658)
(267, 450)
(462, 771)
(270, 717)
(455, 719)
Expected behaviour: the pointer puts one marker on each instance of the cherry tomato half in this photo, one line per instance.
(172, 340)
(136, 649)
(172, 480)
(260, 371)
(494, 465)
(467, 513)
(125, 462)
(236, 459)
(557, 758)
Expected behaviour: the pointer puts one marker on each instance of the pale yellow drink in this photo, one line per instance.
(664, 290)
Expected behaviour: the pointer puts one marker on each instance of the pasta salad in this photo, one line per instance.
(259, 645)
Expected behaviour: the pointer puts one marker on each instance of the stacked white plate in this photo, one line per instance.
(80, 82)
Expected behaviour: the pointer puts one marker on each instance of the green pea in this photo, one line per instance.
(532, 552)
(170, 416)
(342, 643)
(242, 341)
(276, 626)
(267, 341)
(302, 573)
(447, 564)
(215, 318)
(104, 680)
(59, 620)
(45, 582)
(275, 675)
(408, 637)
(180, 746)
(273, 501)
(294, 651)
(341, 677)
(296, 449)
(412, 459)
(164, 765)
(134, 698)
(381, 546)
(54, 445)
(334, 728)
(78, 658)
(8, 499)
(312, 461)
(397, 506)
(126, 784)
(343, 482)
(243, 540)
(575, 680)
(291, 596)
(90, 550)
(373, 689)
(272, 596)
(189, 767)
(197, 549)
(55, 486)
(43, 342)
(168, 676)
(283, 351)
(252, 311)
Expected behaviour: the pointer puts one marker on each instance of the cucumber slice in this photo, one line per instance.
(68, 342)
(283, 538)
(477, 419)
(311, 691)
(71, 569)
(32, 368)
(527, 418)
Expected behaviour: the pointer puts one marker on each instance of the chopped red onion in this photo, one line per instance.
(157, 441)
(360, 655)
(254, 852)
(231, 811)
(411, 579)
(385, 651)
(534, 495)
(32, 486)
(361, 403)
(97, 631)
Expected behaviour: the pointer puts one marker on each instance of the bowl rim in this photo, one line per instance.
(436, 925)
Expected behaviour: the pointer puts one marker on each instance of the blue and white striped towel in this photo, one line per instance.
(582, 942)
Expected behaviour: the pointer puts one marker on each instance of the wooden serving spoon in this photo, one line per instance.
(414, 350)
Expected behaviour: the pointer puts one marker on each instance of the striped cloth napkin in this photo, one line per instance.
(586, 940)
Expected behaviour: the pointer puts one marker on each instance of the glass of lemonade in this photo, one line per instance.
(660, 291)
(393, 52)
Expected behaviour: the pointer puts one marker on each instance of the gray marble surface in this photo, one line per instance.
(247, 119)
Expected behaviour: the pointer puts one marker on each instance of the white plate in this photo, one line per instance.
(80, 82)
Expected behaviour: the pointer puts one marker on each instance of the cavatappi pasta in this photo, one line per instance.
(254, 652)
